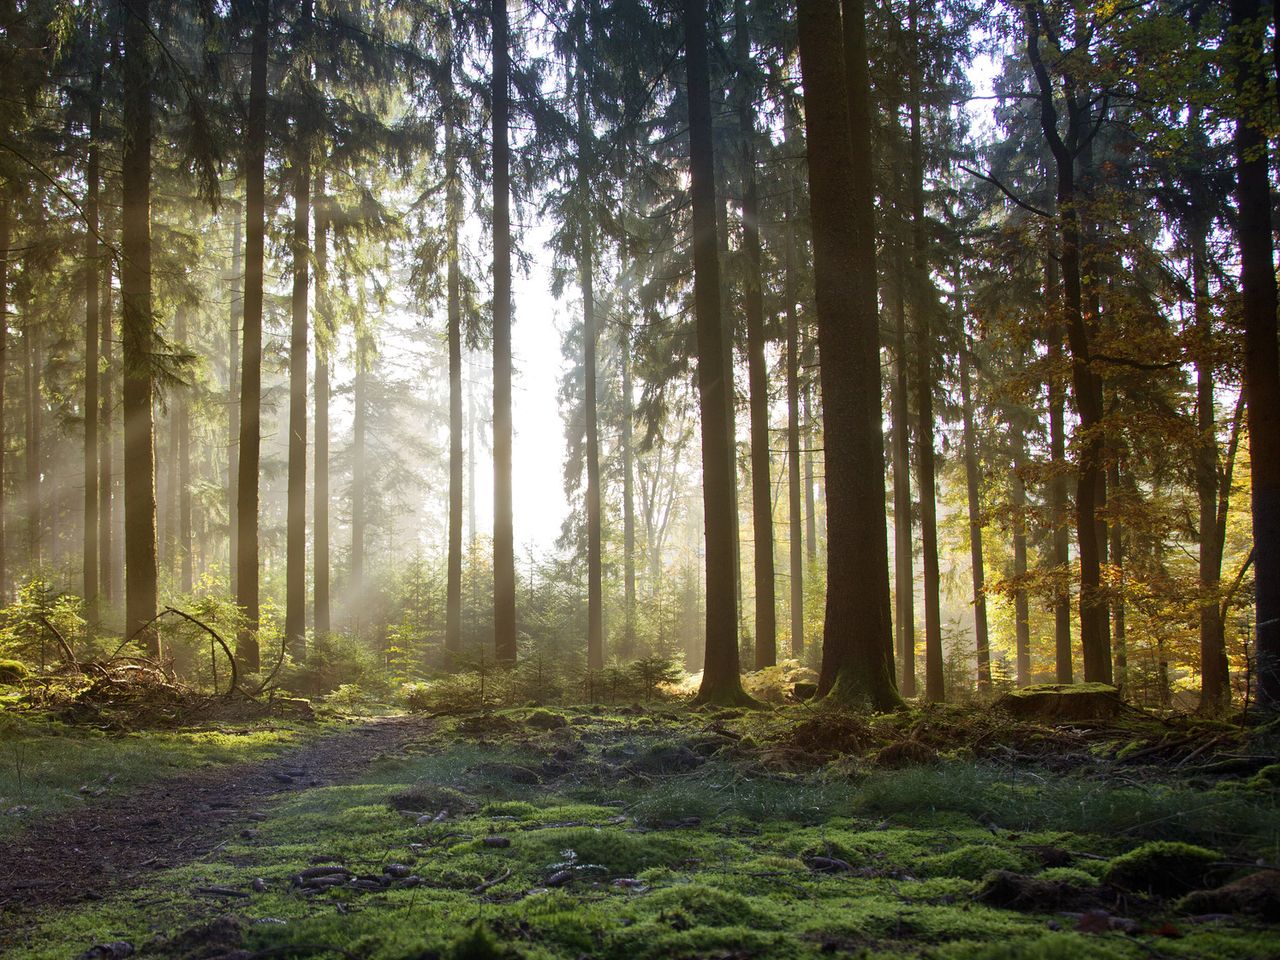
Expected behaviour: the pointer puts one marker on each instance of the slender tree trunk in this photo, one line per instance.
(1058, 480)
(857, 649)
(504, 561)
(182, 420)
(720, 677)
(106, 481)
(31, 450)
(359, 469)
(794, 496)
(167, 490)
(295, 616)
(323, 335)
(251, 377)
(233, 399)
(628, 506)
(904, 576)
(974, 489)
(5, 234)
(453, 214)
(1262, 362)
(1021, 609)
(1085, 384)
(810, 502)
(93, 257)
(138, 333)
(1116, 533)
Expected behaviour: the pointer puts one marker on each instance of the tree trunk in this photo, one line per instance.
(182, 422)
(628, 648)
(453, 215)
(359, 469)
(973, 487)
(138, 334)
(233, 398)
(926, 483)
(323, 337)
(92, 304)
(1116, 534)
(295, 616)
(1058, 479)
(794, 496)
(504, 560)
(720, 677)
(31, 449)
(810, 503)
(1262, 362)
(5, 228)
(904, 576)
(1086, 386)
(106, 480)
(251, 380)
(857, 648)
(1021, 609)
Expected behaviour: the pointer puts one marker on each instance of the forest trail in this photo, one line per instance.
(113, 845)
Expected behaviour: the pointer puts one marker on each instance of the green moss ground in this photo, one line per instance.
(655, 836)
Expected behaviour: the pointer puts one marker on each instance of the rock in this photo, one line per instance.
(108, 951)
(259, 885)
(397, 871)
(560, 878)
(1163, 868)
(292, 708)
(1257, 895)
(804, 691)
(1062, 702)
(545, 720)
(905, 753)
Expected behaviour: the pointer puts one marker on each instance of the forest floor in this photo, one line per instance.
(656, 832)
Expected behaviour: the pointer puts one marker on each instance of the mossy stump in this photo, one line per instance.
(1062, 702)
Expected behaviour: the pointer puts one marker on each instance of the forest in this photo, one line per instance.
(703, 479)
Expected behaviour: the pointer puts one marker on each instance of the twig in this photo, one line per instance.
(62, 641)
(492, 882)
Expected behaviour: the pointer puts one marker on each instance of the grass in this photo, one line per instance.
(607, 858)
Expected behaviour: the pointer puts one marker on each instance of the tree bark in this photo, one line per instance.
(857, 649)
(359, 467)
(182, 422)
(251, 379)
(628, 647)
(720, 676)
(794, 496)
(93, 257)
(1021, 608)
(295, 616)
(504, 560)
(138, 334)
(453, 215)
(1262, 361)
(973, 487)
(1058, 480)
(904, 575)
(323, 335)
(233, 398)
(31, 451)
(106, 481)
(810, 502)
(5, 235)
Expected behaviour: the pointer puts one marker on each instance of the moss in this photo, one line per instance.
(13, 671)
(1072, 876)
(1162, 868)
(701, 905)
(971, 862)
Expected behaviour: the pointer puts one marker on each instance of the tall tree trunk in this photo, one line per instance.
(182, 421)
(138, 333)
(1085, 384)
(586, 265)
(323, 337)
(628, 647)
(93, 306)
(794, 496)
(106, 480)
(1058, 480)
(1116, 533)
(504, 559)
(233, 398)
(1262, 362)
(973, 487)
(453, 215)
(904, 575)
(758, 374)
(810, 502)
(359, 468)
(720, 676)
(1021, 609)
(5, 234)
(295, 615)
(857, 648)
(31, 450)
(251, 379)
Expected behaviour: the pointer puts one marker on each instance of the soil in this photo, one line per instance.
(112, 845)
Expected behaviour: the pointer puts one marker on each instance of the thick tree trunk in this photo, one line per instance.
(138, 334)
(233, 397)
(182, 422)
(320, 506)
(720, 677)
(504, 560)
(794, 496)
(453, 215)
(92, 315)
(295, 611)
(1058, 479)
(251, 379)
(973, 487)
(1262, 362)
(857, 649)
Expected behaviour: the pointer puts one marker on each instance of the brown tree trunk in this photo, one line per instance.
(138, 333)
(5, 233)
(857, 649)
(453, 215)
(973, 487)
(794, 496)
(31, 449)
(810, 502)
(504, 560)
(93, 257)
(295, 615)
(1262, 362)
(182, 423)
(233, 398)
(251, 378)
(359, 469)
(720, 677)
(1021, 608)
(904, 575)
(320, 507)
(106, 480)
(628, 648)
(1058, 480)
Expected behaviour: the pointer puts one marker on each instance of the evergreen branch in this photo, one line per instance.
(1029, 207)
(65, 193)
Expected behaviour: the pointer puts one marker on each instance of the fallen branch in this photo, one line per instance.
(493, 882)
(62, 642)
(231, 689)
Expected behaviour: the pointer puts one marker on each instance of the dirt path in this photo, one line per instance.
(112, 845)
